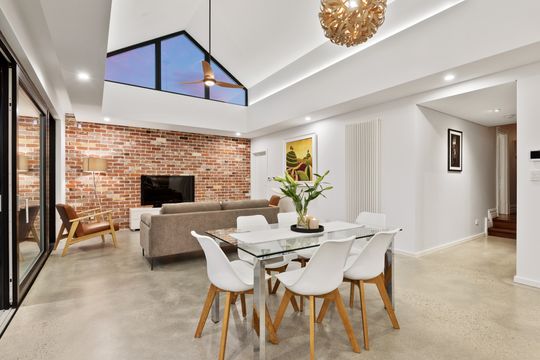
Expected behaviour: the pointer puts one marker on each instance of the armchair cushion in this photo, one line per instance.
(96, 227)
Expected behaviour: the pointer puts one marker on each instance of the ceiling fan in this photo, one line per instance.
(208, 75)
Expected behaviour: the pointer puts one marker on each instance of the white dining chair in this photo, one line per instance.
(286, 219)
(235, 278)
(254, 223)
(368, 267)
(372, 220)
(369, 220)
(319, 279)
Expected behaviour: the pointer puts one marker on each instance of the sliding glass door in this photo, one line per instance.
(30, 195)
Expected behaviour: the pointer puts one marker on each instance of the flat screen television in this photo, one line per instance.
(160, 189)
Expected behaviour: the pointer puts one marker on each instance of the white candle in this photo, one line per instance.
(314, 223)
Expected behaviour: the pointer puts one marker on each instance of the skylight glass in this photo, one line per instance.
(181, 62)
(133, 67)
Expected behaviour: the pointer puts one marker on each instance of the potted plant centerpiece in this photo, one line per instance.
(301, 194)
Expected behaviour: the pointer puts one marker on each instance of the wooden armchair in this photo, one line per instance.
(78, 231)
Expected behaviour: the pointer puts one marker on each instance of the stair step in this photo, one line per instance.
(500, 232)
(504, 224)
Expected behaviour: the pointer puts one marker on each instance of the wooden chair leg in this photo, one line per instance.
(379, 281)
(282, 308)
(294, 304)
(351, 296)
(206, 309)
(346, 323)
(70, 237)
(276, 286)
(272, 336)
(59, 236)
(255, 321)
(243, 302)
(102, 238)
(364, 314)
(323, 310)
(269, 282)
(113, 232)
(225, 328)
(233, 298)
(312, 327)
(35, 234)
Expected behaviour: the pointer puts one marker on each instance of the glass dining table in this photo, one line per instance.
(270, 245)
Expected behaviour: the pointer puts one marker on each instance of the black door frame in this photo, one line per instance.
(5, 278)
(8, 159)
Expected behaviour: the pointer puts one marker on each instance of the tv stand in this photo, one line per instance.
(135, 216)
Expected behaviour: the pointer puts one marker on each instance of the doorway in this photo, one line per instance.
(260, 175)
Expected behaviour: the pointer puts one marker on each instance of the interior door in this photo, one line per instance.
(260, 189)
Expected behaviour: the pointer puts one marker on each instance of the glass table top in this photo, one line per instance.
(290, 242)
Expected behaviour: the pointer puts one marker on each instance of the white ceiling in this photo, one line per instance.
(275, 47)
(255, 39)
(492, 106)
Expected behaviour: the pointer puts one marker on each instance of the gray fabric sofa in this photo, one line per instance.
(169, 233)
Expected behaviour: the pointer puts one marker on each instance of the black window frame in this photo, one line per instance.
(157, 46)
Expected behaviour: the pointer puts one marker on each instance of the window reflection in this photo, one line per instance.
(29, 219)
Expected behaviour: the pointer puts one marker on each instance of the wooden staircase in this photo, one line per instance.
(504, 226)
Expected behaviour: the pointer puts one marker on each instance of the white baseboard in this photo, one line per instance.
(525, 281)
(439, 247)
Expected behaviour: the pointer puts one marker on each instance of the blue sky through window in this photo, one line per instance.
(134, 67)
(181, 62)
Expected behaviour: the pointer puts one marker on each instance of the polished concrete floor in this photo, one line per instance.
(105, 303)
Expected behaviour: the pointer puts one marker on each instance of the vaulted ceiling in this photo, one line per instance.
(276, 48)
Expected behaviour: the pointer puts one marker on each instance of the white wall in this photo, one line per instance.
(434, 207)
(528, 192)
(448, 203)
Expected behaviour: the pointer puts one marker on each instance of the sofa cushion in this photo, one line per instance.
(244, 204)
(189, 207)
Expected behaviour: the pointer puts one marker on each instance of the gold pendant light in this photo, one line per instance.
(351, 22)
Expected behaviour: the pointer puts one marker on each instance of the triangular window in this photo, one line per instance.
(166, 64)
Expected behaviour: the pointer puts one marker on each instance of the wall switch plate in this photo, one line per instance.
(476, 222)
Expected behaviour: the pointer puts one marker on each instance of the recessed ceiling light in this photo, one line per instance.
(238, 134)
(106, 119)
(307, 118)
(83, 76)
(449, 77)
(497, 110)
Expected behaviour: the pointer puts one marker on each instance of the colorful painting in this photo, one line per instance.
(300, 157)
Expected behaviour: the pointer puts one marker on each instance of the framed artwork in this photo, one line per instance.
(455, 150)
(300, 157)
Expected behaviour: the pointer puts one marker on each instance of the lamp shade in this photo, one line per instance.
(22, 163)
(94, 165)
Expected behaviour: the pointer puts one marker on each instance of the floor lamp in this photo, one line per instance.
(95, 165)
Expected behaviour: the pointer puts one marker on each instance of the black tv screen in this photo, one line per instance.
(160, 189)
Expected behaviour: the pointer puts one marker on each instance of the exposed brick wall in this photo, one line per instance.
(221, 165)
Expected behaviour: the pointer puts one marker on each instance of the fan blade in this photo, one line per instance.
(193, 82)
(207, 70)
(228, 85)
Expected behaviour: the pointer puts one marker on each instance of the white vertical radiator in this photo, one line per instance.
(363, 167)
